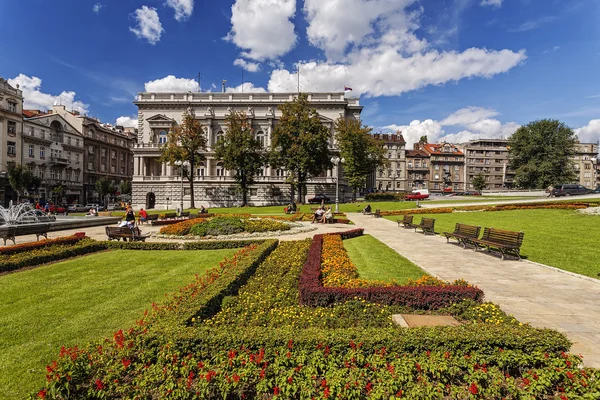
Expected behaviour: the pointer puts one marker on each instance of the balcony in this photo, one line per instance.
(59, 161)
(417, 168)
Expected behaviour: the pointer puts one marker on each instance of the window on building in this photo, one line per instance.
(91, 149)
(588, 166)
(260, 137)
(457, 168)
(436, 186)
(42, 173)
(77, 158)
(11, 148)
(279, 173)
(436, 167)
(77, 142)
(52, 174)
(200, 169)
(31, 151)
(219, 136)
(436, 176)
(220, 169)
(68, 175)
(31, 131)
(69, 155)
(162, 137)
(12, 106)
(42, 152)
(11, 128)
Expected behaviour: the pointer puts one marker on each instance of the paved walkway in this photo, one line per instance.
(533, 293)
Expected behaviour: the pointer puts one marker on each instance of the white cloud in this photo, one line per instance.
(263, 27)
(97, 7)
(493, 3)
(247, 65)
(183, 8)
(248, 88)
(589, 133)
(35, 99)
(172, 84)
(148, 25)
(475, 123)
(534, 24)
(127, 122)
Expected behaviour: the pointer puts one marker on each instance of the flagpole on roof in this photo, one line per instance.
(298, 78)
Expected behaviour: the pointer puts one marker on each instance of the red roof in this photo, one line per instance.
(416, 153)
(32, 113)
(436, 148)
(390, 138)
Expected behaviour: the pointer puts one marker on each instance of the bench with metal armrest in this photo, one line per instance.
(506, 242)
(464, 234)
(426, 225)
(406, 221)
(125, 233)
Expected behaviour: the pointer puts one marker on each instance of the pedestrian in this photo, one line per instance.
(129, 215)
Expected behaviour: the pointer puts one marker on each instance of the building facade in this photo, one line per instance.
(11, 128)
(417, 167)
(108, 151)
(392, 177)
(159, 185)
(488, 157)
(53, 151)
(585, 161)
(446, 166)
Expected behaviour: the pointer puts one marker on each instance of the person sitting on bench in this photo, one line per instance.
(318, 215)
(203, 210)
(327, 216)
(143, 215)
(367, 209)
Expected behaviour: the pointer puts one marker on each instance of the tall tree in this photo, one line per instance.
(125, 187)
(104, 187)
(479, 182)
(541, 154)
(240, 151)
(362, 153)
(20, 179)
(186, 143)
(300, 143)
(423, 139)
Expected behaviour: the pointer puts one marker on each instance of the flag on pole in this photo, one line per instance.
(346, 88)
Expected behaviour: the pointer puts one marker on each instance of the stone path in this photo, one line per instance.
(533, 293)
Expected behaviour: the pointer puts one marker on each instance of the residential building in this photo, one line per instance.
(488, 157)
(417, 167)
(159, 185)
(11, 128)
(446, 166)
(585, 164)
(53, 151)
(393, 176)
(108, 151)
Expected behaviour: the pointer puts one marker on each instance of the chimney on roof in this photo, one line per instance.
(417, 146)
(75, 112)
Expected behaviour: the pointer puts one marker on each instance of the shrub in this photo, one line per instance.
(218, 226)
(19, 248)
(264, 225)
(384, 196)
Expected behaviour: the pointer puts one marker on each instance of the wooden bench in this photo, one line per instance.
(118, 233)
(507, 242)
(426, 225)
(149, 219)
(185, 214)
(12, 232)
(170, 216)
(406, 221)
(377, 213)
(464, 234)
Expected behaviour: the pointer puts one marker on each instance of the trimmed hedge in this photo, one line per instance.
(19, 248)
(314, 294)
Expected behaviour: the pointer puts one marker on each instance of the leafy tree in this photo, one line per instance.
(541, 154)
(104, 187)
(125, 187)
(186, 144)
(423, 139)
(362, 153)
(479, 182)
(56, 193)
(21, 179)
(300, 143)
(241, 152)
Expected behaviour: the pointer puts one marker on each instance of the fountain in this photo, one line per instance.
(18, 214)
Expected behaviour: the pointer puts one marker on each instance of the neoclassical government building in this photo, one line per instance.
(158, 185)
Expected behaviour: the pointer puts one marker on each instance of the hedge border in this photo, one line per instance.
(314, 294)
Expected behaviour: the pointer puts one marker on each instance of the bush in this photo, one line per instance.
(264, 225)
(180, 228)
(218, 226)
(384, 196)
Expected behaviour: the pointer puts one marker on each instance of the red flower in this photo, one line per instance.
(326, 393)
(418, 367)
(236, 378)
(42, 394)
(276, 390)
(99, 384)
(570, 375)
(290, 380)
(473, 388)
(290, 344)
(126, 363)
(369, 387)
(526, 381)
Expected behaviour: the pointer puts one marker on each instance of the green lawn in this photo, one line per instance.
(564, 239)
(376, 261)
(75, 301)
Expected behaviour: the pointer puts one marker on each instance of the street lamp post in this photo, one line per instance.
(337, 161)
(181, 164)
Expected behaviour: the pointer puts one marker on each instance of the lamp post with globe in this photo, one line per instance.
(337, 161)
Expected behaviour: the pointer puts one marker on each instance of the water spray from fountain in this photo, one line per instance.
(18, 214)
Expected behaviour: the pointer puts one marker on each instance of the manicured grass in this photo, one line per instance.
(79, 300)
(376, 261)
(564, 239)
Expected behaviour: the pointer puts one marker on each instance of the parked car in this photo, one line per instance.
(596, 191)
(417, 194)
(569, 189)
(113, 207)
(318, 199)
(92, 205)
(77, 208)
(57, 209)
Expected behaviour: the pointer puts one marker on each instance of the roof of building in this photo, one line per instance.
(390, 137)
(436, 149)
(416, 153)
(33, 113)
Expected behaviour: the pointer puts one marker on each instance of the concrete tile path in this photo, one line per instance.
(534, 293)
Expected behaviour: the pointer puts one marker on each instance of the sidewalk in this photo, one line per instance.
(533, 293)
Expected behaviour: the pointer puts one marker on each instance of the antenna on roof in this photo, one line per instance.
(199, 86)
(298, 77)
(223, 82)
(242, 80)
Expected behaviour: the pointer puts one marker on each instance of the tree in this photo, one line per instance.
(104, 187)
(541, 154)
(479, 182)
(21, 179)
(125, 187)
(240, 151)
(362, 153)
(423, 139)
(186, 144)
(300, 143)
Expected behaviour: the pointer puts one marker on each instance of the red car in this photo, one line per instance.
(417, 195)
(57, 209)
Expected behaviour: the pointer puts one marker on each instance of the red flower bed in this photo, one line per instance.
(313, 293)
(19, 248)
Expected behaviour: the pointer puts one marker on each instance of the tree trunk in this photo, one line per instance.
(244, 191)
(300, 181)
(191, 179)
(292, 187)
(353, 195)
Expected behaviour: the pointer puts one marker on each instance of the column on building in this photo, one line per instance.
(209, 162)
(209, 133)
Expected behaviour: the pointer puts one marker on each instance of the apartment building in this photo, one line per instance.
(488, 157)
(585, 161)
(11, 128)
(393, 176)
(417, 168)
(446, 166)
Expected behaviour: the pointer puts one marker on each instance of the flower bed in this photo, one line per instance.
(224, 225)
(181, 228)
(498, 207)
(19, 248)
(313, 293)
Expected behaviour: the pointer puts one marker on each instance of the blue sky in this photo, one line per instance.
(450, 69)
